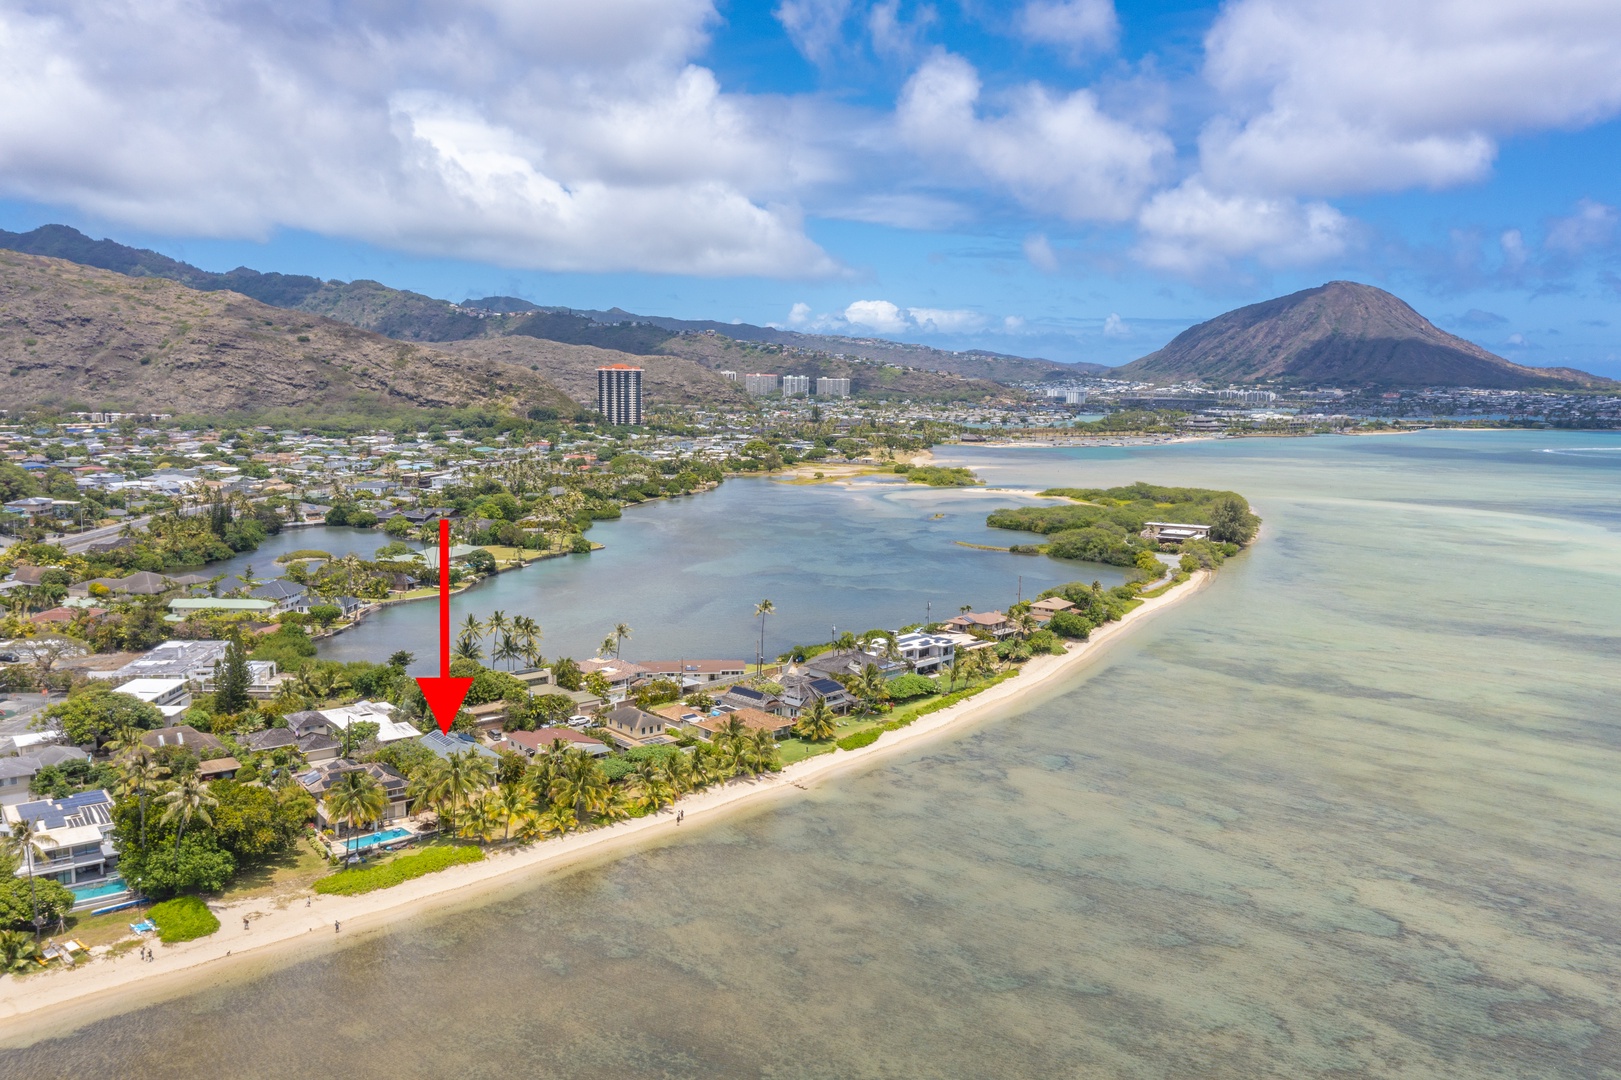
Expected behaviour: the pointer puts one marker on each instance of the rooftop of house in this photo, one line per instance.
(443, 745)
(88, 808)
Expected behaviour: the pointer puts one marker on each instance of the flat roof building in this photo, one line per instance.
(619, 394)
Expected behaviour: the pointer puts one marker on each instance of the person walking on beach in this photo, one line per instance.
(679, 814)
(334, 926)
(244, 922)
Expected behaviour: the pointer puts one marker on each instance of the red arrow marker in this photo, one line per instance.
(445, 694)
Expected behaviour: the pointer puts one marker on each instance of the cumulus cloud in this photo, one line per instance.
(1056, 154)
(1324, 97)
(528, 134)
(1073, 24)
(879, 315)
(1191, 229)
(1040, 253)
(1115, 326)
(815, 27)
(1593, 225)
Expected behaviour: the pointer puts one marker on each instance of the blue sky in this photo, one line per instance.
(1066, 178)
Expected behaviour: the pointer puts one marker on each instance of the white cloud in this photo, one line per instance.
(814, 26)
(1040, 253)
(946, 321)
(799, 314)
(885, 317)
(1115, 326)
(1074, 24)
(534, 134)
(901, 210)
(879, 315)
(1513, 244)
(1057, 155)
(1325, 97)
(1191, 230)
(1593, 225)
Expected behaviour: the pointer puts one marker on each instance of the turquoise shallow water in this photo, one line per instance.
(1350, 812)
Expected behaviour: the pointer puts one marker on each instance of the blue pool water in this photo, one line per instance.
(111, 887)
(361, 843)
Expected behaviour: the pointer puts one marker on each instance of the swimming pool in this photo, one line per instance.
(371, 840)
(112, 886)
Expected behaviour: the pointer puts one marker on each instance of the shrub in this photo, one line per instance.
(367, 879)
(911, 685)
(184, 918)
(860, 739)
(1068, 624)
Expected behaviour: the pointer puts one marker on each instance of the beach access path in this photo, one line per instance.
(295, 926)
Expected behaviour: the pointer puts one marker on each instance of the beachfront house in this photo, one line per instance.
(847, 663)
(1174, 532)
(800, 691)
(705, 724)
(1047, 607)
(926, 654)
(319, 779)
(74, 836)
(994, 623)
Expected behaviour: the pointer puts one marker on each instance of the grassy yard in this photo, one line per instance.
(96, 930)
(290, 872)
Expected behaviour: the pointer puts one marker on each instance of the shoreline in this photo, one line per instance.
(56, 1002)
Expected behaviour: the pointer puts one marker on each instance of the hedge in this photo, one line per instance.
(182, 919)
(860, 739)
(367, 879)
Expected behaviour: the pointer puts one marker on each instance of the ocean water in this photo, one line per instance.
(1353, 811)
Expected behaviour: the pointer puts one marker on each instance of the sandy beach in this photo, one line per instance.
(288, 928)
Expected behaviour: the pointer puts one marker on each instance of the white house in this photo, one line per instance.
(74, 837)
(171, 696)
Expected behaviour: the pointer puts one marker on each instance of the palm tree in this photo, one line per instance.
(654, 783)
(871, 687)
(817, 722)
(620, 635)
(483, 816)
(141, 778)
(956, 668)
(25, 840)
(845, 642)
(514, 803)
(581, 785)
(453, 780)
(497, 623)
(761, 610)
(528, 634)
(186, 799)
(17, 950)
(472, 628)
(506, 649)
(356, 798)
(468, 648)
(556, 820)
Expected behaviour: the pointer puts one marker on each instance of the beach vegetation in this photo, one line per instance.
(938, 475)
(396, 871)
(185, 918)
(1106, 524)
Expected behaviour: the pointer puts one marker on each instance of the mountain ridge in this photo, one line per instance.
(77, 335)
(1341, 333)
(410, 316)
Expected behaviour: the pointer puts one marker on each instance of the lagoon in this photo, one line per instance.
(1350, 812)
(685, 574)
